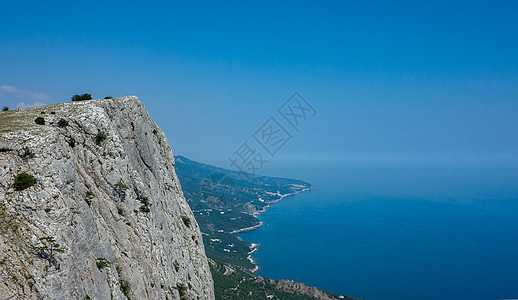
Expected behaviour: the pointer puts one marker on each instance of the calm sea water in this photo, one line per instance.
(397, 232)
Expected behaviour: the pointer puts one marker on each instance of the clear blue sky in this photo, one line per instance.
(391, 82)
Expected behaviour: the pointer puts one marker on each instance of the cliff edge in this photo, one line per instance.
(105, 217)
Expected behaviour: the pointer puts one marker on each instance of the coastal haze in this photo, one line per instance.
(418, 232)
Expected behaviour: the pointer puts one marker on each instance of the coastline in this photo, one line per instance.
(255, 247)
(247, 228)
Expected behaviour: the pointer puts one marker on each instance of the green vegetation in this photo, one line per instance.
(87, 297)
(100, 137)
(71, 142)
(125, 288)
(186, 221)
(144, 209)
(108, 97)
(52, 112)
(9, 222)
(145, 205)
(120, 189)
(82, 97)
(48, 249)
(5, 108)
(102, 263)
(27, 153)
(181, 288)
(88, 198)
(120, 185)
(216, 243)
(62, 123)
(241, 284)
(39, 121)
(23, 181)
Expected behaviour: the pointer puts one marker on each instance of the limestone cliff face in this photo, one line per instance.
(106, 218)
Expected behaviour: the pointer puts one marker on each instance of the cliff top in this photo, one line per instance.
(24, 119)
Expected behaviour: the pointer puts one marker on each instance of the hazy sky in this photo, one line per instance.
(432, 82)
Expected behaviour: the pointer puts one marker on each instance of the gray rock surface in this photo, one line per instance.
(115, 208)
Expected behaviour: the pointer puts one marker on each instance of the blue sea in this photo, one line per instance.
(396, 232)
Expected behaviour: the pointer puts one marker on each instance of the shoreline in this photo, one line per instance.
(255, 247)
(247, 228)
(257, 213)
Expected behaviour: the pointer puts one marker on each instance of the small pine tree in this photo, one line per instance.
(40, 121)
(82, 97)
(100, 137)
(23, 181)
(62, 123)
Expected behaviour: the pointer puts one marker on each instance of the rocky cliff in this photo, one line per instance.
(105, 218)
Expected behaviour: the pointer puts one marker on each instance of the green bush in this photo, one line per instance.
(23, 181)
(62, 123)
(181, 288)
(125, 288)
(186, 221)
(100, 137)
(40, 121)
(71, 142)
(102, 263)
(120, 185)
(144, 209)
(108, 97)
(5, 108)
(82, 97)
(88, 197)
(27, 153)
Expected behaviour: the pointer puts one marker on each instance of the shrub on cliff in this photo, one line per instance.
(186, 221)
(100, 137)
(27, 153)
(71, 142)
(40, 121)
(62, 123)
(5, 108)
(144, 209)
(82, 97)
(23, 181)
(125, 288)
